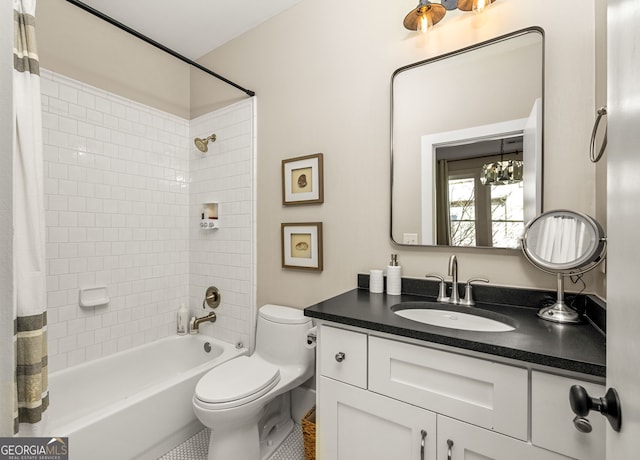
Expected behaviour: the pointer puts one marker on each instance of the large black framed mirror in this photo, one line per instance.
(466, 144)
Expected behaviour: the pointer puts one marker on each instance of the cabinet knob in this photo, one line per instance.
(340, 356)
(582, 403)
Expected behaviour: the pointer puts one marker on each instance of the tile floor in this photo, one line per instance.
(195, 448)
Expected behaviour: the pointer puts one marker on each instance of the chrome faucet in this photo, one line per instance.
(453, 273)
(194, 324)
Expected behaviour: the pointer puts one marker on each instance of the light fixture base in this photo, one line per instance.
(449, 5)
(559, 312)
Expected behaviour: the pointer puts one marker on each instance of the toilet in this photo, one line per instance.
(246, 401)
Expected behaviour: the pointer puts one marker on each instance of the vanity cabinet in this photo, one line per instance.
(414, 402)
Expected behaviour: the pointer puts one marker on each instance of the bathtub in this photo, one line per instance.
(133, 404)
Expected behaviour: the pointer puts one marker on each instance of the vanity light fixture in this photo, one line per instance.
(427, 14)
(424, 16)
(502, 172)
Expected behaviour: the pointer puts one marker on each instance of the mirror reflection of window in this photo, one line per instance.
(462, 211)
(507, 214)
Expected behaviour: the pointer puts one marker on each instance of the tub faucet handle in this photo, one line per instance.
(211, 297)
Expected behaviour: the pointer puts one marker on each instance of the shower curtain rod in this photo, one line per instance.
(160, 46)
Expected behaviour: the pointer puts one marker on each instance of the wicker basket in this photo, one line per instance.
(309, 434)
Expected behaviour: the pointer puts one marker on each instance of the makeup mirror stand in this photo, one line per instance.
(586, 259)
(559, 311)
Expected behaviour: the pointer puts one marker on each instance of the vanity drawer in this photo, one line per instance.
(484, 393)
(552, 419)
(343, 355)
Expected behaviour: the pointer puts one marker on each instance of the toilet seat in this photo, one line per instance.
(237, 382)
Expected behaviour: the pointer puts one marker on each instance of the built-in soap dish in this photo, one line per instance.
(93, 296)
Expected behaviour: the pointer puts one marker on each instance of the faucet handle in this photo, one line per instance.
(442, 291)
(468, 291)
(473, 280)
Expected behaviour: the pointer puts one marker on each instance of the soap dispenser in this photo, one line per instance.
(394, 276)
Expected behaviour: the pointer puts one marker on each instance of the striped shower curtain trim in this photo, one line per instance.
(25, 59)
(31, 368)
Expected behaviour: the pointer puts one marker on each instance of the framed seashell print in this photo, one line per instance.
(302, 180)
(302, 245)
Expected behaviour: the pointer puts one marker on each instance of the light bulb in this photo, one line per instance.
(479, 6)
(424, 23)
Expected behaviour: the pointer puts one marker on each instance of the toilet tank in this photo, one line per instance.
(281, 335)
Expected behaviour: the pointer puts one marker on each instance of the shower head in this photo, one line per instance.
(201, 144)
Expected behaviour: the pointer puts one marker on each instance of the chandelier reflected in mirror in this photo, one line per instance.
(501, 172)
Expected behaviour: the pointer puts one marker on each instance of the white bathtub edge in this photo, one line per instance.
(133, 414)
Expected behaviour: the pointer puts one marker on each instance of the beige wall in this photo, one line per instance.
(322, 72)
(601, 100)
(79, 45)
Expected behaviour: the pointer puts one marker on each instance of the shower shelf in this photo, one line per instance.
(209, 219)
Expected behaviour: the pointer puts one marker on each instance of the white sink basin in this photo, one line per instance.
(453, 320)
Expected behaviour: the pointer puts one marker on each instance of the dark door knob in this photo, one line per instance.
(609, 406)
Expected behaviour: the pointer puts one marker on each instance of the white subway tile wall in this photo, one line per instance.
(224, 175)
(118, 215)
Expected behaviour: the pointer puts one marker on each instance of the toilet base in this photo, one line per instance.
(240, 443)
(275, 439)
(254, 441)
(275, 425)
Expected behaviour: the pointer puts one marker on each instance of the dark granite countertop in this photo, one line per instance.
(578, 348)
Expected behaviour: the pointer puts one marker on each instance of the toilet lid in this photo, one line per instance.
(241, 379)
(283, 315)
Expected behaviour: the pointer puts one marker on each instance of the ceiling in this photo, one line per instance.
(191, 27)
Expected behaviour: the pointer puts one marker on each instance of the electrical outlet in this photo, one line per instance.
(409, 238)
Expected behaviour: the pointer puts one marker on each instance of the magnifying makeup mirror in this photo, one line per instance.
(563, 243)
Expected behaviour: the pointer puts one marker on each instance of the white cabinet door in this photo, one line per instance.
(461, 441)
(355, 424)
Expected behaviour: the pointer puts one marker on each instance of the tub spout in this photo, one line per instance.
(194, 325)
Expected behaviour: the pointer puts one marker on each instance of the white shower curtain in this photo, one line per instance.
(30, 341)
